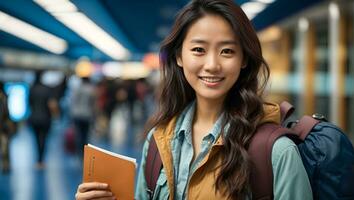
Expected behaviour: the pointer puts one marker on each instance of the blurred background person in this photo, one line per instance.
(40, 119)
(102, 114)
(7, 129)
(83, 111)
(58, 93)
(120, 117)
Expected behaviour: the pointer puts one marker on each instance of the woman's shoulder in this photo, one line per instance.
(283, 143)
(290, 177)
(283, 146)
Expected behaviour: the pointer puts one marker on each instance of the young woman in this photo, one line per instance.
(210, 106)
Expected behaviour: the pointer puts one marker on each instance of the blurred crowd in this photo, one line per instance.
(112, 111)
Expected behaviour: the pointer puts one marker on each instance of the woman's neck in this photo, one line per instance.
(207, 112)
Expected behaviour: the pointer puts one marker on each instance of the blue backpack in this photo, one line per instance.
(326, 152)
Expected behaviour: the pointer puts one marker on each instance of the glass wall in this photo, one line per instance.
(295, 57)
(322, 95)
(312, 50)
(350, 71)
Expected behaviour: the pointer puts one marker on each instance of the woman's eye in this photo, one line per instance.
(198, 50)
(227, 51)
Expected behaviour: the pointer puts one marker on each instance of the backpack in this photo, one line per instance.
(326, 152)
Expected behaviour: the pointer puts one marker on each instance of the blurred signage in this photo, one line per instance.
(125, 70)
(151, 60)
(17, 100)
(20, 59)
(84, 68)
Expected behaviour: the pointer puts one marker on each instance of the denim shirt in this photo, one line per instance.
(182, 147)
(289, 172)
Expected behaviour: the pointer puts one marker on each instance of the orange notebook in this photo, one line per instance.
(116, 170)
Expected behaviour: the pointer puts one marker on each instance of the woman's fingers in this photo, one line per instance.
(92, 186)
(96, 194)
(106, 198)
(94, 191)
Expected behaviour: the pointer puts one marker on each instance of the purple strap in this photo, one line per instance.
(286, 109)
(153, 166)
(304, 126)
(260, 151)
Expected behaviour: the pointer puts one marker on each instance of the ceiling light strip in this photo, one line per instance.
(32, 34)
(85, 27)
(253, 8)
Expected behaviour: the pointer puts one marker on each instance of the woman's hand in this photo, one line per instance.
(94, 191)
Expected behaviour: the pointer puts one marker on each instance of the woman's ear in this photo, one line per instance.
(179, 61)
(244, 63)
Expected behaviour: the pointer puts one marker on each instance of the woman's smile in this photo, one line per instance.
(211, 81)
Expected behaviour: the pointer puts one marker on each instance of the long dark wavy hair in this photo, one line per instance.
(243, 106)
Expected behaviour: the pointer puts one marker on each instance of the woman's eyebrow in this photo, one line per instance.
(198, 41)
(226, 42)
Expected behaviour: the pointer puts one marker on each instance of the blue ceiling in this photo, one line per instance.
(139, 25)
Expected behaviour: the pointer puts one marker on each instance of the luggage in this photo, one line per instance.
(69, 140)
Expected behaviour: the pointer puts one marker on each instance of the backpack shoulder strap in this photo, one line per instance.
(304, 126)
(260, 152)
(286, 109)
(153, 166)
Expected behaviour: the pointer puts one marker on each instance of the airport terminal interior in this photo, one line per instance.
(97, 65)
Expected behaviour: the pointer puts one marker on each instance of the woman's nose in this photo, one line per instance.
(211, 62)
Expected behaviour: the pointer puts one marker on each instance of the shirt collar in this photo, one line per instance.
(185, 120)
(216, 130)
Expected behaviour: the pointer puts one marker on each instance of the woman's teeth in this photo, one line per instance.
(211, 79)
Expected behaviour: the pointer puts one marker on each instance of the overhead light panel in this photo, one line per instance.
(67, 13)
(266, 1)
(32, 34)
(112, 69)
(252, 8)
(333, 10)
(303, 24)
(57, 6)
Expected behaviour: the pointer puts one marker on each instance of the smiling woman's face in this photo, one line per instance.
(211, 57)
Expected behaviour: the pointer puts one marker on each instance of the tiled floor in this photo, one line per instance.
(62, 173)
